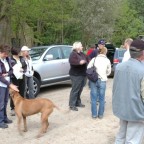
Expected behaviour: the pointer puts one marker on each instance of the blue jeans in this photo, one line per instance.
(97, 90)
(4, 96)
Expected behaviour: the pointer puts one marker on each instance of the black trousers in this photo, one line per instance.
(21, 86)
(78, 82)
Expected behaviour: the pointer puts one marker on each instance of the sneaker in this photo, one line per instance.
(8, 121)
(3, 125)
(94, 117)
(100, 116)
(12, 112)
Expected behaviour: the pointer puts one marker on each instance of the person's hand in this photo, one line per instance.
(82, 62)
(5, 74)
(14, 87)
(21, 70)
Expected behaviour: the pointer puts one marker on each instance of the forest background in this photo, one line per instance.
(46, 22)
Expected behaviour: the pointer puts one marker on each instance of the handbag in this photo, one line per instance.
(91, 73)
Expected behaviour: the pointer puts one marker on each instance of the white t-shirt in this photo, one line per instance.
(126, 56)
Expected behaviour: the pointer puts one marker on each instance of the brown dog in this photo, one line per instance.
(26, 107)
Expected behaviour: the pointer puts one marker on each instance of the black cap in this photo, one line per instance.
(138, 44)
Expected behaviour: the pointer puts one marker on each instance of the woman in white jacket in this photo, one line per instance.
(103, 68)
(29, 72)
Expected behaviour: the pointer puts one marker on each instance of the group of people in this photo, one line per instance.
(128, 86)
(16, 72)
(79, 63)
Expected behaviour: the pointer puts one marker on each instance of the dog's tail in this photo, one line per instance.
(61, 110)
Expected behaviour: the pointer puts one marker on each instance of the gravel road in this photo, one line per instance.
(71, 128)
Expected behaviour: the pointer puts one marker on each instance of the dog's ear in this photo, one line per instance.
(11, 92)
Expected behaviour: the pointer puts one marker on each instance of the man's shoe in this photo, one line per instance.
(80, 105)
(94, 117)
(3, 125)
(12, 112)
(7, 121)
(100, 116)
(74, 108)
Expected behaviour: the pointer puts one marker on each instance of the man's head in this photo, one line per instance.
(92, 46)
(127, 43)
(137, 50)
(101, 44)
(4, 51)
(15, 51)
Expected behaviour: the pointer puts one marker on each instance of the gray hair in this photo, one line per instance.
(135, 53)
(76, 45)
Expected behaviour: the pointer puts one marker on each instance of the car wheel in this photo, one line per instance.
(36, 85)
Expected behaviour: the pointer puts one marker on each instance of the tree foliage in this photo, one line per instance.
(96, 19)
(127, 24)
(138, 6)
(49, 20)
(66, 21)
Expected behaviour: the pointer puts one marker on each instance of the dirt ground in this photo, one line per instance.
(71, 128)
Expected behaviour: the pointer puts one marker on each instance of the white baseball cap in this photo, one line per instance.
(25, 48)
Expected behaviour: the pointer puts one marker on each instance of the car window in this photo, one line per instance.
(66, 51)
(56, 52)
(36, 53)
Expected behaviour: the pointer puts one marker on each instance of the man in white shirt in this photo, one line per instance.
(127, 44)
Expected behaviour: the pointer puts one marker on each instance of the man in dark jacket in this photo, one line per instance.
(99, 46)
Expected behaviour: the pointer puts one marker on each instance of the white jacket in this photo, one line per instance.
(103, 66)
(29, 72)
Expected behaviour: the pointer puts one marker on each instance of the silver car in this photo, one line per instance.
(50, 64)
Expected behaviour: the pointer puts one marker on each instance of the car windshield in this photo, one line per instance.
(36, 53)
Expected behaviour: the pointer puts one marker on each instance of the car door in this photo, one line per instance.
(53, 68)
(66, 50)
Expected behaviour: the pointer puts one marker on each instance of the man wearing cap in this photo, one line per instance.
(29, 72)
(128, 96)
(94, 53)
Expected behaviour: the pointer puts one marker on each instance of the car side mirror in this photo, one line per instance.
(48, 57)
